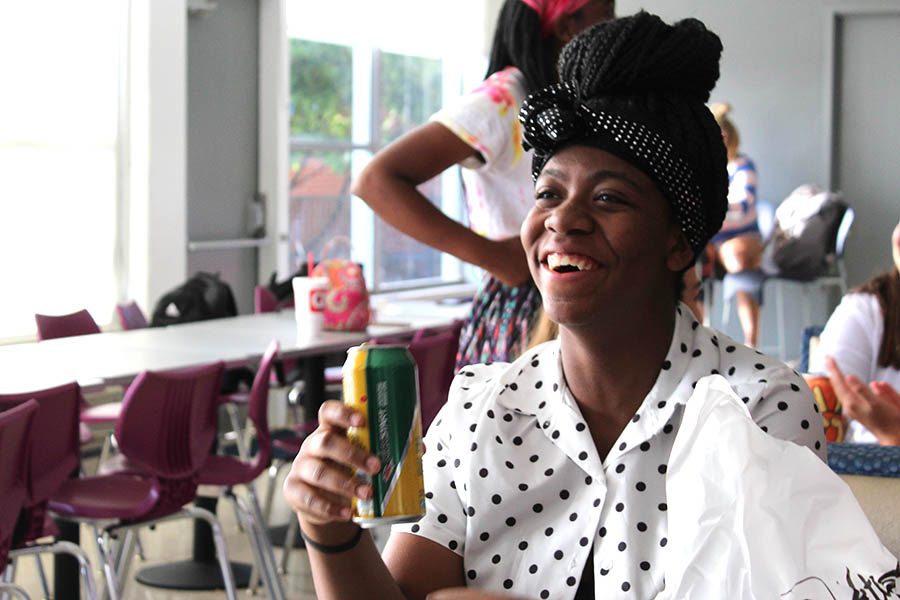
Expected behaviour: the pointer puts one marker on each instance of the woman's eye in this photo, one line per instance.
(545, 194)
(608, 199)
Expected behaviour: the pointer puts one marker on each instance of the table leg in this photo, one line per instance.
(314, 384)
(66, 579)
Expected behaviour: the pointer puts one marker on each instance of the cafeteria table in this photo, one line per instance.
(96, 361)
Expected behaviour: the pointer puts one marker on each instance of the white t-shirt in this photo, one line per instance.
(741, 215)
(514, 483)
(499, 191)
(852, 336)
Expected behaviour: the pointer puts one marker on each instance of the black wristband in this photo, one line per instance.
(335, 549)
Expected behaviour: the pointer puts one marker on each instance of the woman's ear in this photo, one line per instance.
(679, 254)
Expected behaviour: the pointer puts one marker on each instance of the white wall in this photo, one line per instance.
(157, 230)
(777, 72)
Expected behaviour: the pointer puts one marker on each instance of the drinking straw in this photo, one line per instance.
(310, 263)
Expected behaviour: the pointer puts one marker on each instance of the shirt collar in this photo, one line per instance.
(534, 384)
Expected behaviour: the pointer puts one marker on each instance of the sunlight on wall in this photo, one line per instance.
(423, 28)
(58, 141)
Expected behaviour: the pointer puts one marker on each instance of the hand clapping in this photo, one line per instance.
(877, 406)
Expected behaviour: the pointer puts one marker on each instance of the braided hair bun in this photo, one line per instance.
(637, 87)
(643, 55)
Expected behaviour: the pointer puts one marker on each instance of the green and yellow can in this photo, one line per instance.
(382, 383)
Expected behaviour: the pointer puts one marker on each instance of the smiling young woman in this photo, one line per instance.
(547, 477)
(601, 231)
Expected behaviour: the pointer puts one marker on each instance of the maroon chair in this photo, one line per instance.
(165, 432)
(51, 327)
(131, 316)
(434, 351)
(15, 448)
(264, 301)
(54, 459)
(228, 471)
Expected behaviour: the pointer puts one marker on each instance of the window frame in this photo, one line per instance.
(364, 142)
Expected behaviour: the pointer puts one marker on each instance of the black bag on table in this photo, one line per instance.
(203, 296)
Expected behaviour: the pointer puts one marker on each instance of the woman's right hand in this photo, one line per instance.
(323, 480)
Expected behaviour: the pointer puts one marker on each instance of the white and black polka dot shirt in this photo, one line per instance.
(514, 483)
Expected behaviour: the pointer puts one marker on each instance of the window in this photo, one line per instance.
(58, 151)
(350, 96)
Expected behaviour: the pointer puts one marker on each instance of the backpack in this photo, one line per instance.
(283, 291)
(806, 225)
(203, 296)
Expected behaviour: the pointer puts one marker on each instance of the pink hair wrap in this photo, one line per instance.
(550, 11)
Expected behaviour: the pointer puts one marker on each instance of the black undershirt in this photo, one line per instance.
(586, 585)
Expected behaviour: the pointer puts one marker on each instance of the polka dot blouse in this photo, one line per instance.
(515, 486)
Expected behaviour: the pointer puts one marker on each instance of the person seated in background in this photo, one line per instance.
(859, 348)
(546, 477)
(738, 245)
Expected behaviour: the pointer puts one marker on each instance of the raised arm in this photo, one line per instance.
(389, 183)
(345, 562)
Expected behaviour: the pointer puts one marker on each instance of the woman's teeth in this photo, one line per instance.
(567, 263)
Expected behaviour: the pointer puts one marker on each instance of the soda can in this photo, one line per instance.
(382, 383)
(829, 406)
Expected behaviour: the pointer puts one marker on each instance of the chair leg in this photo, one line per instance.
(262, 547)
(274, 470)
(39, 565)
(221, 551)
(139, 546)
(295, 400)
(806, 307)
(109, 567)
(726, 309)
(238, 429)
(276, 589)
(124, 555)
(63, 547)
(272, 473)
(7, 586)
(708, 289)
(779, 309)
(7, 589)
(289, 536)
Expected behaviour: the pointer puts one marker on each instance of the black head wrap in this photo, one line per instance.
(637, 87)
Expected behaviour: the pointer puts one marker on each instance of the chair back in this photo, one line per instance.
(56, 442)
(765, 218)
(50, 327)
(434, 351)
(258, 408)
(265, 301)
(131, 316)
(168, 421)
(843, 231)
(808, 346)
(15, 445)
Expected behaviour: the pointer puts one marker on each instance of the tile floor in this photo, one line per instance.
(168, 541)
